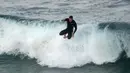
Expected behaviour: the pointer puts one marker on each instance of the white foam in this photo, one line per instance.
(50, 49)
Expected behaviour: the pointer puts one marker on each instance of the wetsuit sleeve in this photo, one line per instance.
(65, 19)
(75, 25)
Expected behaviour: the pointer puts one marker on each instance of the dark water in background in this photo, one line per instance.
(30, 28)
(84, 11)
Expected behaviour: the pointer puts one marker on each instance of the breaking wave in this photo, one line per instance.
(40, 40)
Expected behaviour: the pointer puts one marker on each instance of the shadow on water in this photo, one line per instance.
(123, 63)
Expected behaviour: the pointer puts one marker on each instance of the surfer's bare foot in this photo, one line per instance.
(65, 37)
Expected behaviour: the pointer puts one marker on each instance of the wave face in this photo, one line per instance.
(40, 40)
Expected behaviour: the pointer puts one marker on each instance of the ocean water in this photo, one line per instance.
(30, 41)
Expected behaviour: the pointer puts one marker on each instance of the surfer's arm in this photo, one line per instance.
(64, 19)
(75, 26)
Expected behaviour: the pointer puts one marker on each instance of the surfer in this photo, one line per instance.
(69, 30)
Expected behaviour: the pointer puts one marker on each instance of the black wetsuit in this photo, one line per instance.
(69, 28)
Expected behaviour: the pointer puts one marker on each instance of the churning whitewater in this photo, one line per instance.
(40, 40)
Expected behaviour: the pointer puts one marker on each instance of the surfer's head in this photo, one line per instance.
(70, 18)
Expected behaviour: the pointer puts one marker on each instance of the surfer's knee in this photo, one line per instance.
(60, 33)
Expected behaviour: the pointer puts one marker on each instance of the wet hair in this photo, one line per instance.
(71, 17)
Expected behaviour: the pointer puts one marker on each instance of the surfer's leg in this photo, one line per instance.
(70, 34)
(63, 32)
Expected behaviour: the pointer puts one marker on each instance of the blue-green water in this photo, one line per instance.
(14, 64)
